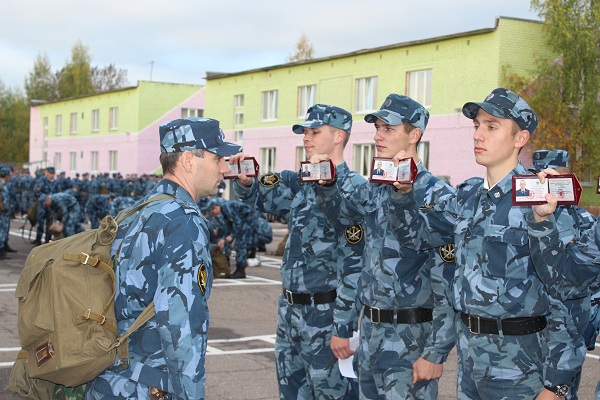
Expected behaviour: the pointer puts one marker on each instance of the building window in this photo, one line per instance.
(94, 159)
(363, 157)
(95, 120)
(192, 112)
(113, 118)
(73, 123)
(269, 105)
(238, 119)
(307, 96)
(45, 126)
(300, 155)
(267, 159)
(366, 94)
(58, 127)
(239, 136)
(423, 153)
(112, 160)
(238, 101)
(418, 85)
(73, 161)
(58, 162)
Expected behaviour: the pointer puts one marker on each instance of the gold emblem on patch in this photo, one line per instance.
(447, 252)
(269, 180)
(354, 234)
(202, 278)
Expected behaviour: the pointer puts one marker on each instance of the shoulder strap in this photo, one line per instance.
(128, 212)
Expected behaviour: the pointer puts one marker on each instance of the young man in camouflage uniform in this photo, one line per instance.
(320, 268)
(515, 338)
(4, 210)
(395, 288)
(154, 264)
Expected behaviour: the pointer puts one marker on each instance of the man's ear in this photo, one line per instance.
(415, 135)
(339, 136)
(522, 137)
(186, 160)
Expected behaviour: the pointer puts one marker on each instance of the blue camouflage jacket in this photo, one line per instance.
(318, 257)
(495, 275)
(153, 263)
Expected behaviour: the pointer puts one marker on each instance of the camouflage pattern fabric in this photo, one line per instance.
(120, 203)
(67, 206)
(393, 277)
(495, 278)
(317, 258)
(97, 207)
(240, 222)
(154, 264)
(4, 213)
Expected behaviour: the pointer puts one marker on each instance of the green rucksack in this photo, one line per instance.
(66, 316)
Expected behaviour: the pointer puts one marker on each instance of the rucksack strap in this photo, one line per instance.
(128, 212)
(122, 343)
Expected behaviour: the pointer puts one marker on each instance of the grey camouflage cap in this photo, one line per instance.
(195, 133)
(543, 159)
(323, 114)
(503, 103)
(398, 109)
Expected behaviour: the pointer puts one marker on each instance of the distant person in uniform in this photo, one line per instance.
(164, 258)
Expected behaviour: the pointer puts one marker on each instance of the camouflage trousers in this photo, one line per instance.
(4, 227)
(128, 390)
(498, 367)
(306, 366)
(386, 354)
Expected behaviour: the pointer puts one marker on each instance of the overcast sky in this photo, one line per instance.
(179, 41)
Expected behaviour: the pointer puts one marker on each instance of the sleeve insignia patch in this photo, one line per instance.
(354, 234)
(447, 252)
(202, 277)
(269, 180)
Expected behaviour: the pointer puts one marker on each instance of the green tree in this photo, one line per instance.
(108, 78)
(75, 77)
(304, 50)
(14, 126)
(41, 84)
(565, 93)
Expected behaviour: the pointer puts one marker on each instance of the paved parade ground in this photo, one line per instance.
(240, 362)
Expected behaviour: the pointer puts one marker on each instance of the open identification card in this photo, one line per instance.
(383, 170)
(325, 170)
(528, 190)
(248, 166)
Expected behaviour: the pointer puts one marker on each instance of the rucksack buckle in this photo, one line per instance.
(89, 314)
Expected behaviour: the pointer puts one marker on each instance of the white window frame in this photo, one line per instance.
(45, 126)
(113, 158)
(73, 123)
(96, 120)
(363, 158)
(58, 162)
(418, 86)
(239, 136)
(94, 161)
(238, 101)
(58, 124)
(269, 105)
(267, 159)
(307, 96)
(192, 112)
(300, 155)
(73, 161)
(113, 118)
(366, 94)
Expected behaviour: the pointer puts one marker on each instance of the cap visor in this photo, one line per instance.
(299, 128)
(389, 117)
(225, 150)
(470, 110)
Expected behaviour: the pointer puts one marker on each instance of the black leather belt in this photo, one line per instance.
(309, 298)
(402, 316)
(510, 326)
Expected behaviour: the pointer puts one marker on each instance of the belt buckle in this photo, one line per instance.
(471, 318)
(372, 315)
(289, 297)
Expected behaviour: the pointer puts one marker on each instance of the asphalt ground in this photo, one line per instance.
(240, 360)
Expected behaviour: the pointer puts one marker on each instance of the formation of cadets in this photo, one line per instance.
(58, 206)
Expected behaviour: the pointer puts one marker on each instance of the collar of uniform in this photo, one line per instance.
(166, 186)
(341, 168)
(504, 186)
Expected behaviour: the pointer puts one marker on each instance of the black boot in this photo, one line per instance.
(3, 255)
(8, 249)
(239, 273)
(37, 241)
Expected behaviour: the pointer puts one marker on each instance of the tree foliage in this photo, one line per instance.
(14, 126)
(76, 76)
(108, 78)
(41, 84)
(303, 51)
(565, 92)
